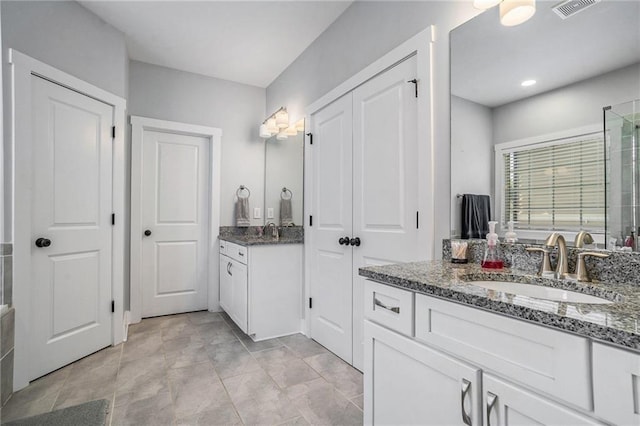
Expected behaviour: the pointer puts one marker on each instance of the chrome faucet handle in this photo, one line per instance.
(545, 266)
(581, 267)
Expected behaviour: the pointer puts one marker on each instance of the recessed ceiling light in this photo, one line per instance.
(528, 83)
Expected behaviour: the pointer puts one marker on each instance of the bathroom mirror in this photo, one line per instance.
(284, 161)
(581, 64)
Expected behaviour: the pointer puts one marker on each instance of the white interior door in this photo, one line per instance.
(331, 262)
(174, 210)
(385, 179)
(71, 222)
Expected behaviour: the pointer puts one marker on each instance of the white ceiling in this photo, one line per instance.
(249, 42)
(489, 61)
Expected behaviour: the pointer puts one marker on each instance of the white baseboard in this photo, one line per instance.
(126, 321)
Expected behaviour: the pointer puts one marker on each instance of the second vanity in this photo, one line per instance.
(260, 283)
(440, 350)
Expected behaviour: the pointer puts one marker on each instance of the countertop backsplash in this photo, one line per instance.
(618, 268)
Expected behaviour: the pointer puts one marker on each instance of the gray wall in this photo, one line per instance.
(471, 154)
(67, 36)
(577, 105)
(237, 109)
(362, 34)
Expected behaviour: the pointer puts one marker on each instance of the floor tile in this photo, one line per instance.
(303, 346)
(232, 362)
(153, 411)
(298, 421)
(184, 351)
(284, 367)
(258, 346)
(323, 404)
(203, 317)
(179, 328)
(358, 401)
(140, 379)
(341, 375)
(276, 355)
(197, 389)
(225, 414)
(141, 345)
(215, 332)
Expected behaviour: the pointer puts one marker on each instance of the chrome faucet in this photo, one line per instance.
(274, 230)
(562, 267)
(582, 238)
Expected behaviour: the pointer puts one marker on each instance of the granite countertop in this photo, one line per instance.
(254, 240)
(617, 323)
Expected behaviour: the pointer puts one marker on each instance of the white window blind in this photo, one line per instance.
(556, 185)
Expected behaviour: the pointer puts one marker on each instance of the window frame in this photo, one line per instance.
(539, 141)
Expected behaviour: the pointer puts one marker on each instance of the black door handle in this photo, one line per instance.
(43, 242)
(355, 241)
(344, 241)
(147, 232)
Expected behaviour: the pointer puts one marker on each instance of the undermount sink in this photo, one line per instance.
(541, 292)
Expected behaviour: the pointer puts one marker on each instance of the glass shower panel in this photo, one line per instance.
(621, 127)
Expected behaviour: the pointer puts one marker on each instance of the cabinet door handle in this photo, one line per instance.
(466, 387)
(491, 401)
(229, 268)
(395, 309)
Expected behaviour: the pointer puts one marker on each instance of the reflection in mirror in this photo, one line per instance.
(283, 169)
(537, 149)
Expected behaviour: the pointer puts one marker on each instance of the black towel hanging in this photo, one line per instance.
(476, 214)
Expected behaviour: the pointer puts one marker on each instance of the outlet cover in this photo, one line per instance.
(257, 214)
(270, 213)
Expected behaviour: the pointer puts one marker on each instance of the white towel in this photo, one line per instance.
(242, 212)
(286, 215)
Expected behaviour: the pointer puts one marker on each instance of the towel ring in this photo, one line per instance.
(243, 188)
(283, 194)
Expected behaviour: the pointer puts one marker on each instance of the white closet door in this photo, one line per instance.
(175, 220)
(71, 225)
(385, 179)
(331, 262)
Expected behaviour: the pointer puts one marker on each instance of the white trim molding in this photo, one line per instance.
(420, 45)
(22, 68)
(138, 126)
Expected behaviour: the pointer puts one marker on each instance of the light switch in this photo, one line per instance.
(256, 213)
(270, 213)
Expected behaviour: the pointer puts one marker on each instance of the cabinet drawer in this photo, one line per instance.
(389, 306)
(237, 252)
(223, 247)
(616, 384)
(550, 361)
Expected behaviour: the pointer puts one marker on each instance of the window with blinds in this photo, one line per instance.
(558, 185)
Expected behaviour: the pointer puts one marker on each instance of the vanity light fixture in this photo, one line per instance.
(291, 131)
(282, 118)
(528, 83)
(278, 124)
(300, 125)
(512, 12)
(282, 136)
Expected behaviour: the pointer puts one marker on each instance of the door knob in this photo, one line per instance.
(344, 241)
(147, 232)
(355, 241)
(43, 242)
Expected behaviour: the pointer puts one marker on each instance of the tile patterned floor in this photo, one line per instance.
(200, 369)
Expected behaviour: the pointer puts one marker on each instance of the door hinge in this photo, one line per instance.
(113, 218)
(113, 132)
(310, 303)
(414, 81)
(418, 220)
(310, 138)
(310, 220)
(113, 306)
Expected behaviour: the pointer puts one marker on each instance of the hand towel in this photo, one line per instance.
(286, 215)
(242, 212)
(476, 214)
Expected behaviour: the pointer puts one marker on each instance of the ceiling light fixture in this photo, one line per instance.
(515, 12)
(528, 83)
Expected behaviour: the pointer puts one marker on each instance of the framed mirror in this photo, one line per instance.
(283, 181)
(527, 114)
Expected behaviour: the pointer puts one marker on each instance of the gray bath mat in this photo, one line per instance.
(93, 413)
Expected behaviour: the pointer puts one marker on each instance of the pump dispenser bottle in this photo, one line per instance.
(492, 258)
(510, 236)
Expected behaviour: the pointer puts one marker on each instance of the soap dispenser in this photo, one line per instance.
(510, 236)
(492, 258)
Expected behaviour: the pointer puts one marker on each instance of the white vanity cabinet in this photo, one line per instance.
(260, 288)
(616, 384)
(461, 365)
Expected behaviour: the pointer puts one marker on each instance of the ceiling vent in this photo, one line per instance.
(569, 8)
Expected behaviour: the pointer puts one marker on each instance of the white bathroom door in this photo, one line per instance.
(174, 215)
(385, 180)
(71, 227)
(331, 262)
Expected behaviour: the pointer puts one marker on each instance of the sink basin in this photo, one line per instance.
(541, 292)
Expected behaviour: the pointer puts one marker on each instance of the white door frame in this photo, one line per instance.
(138, 126)
(419, 45)
(22, 68)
